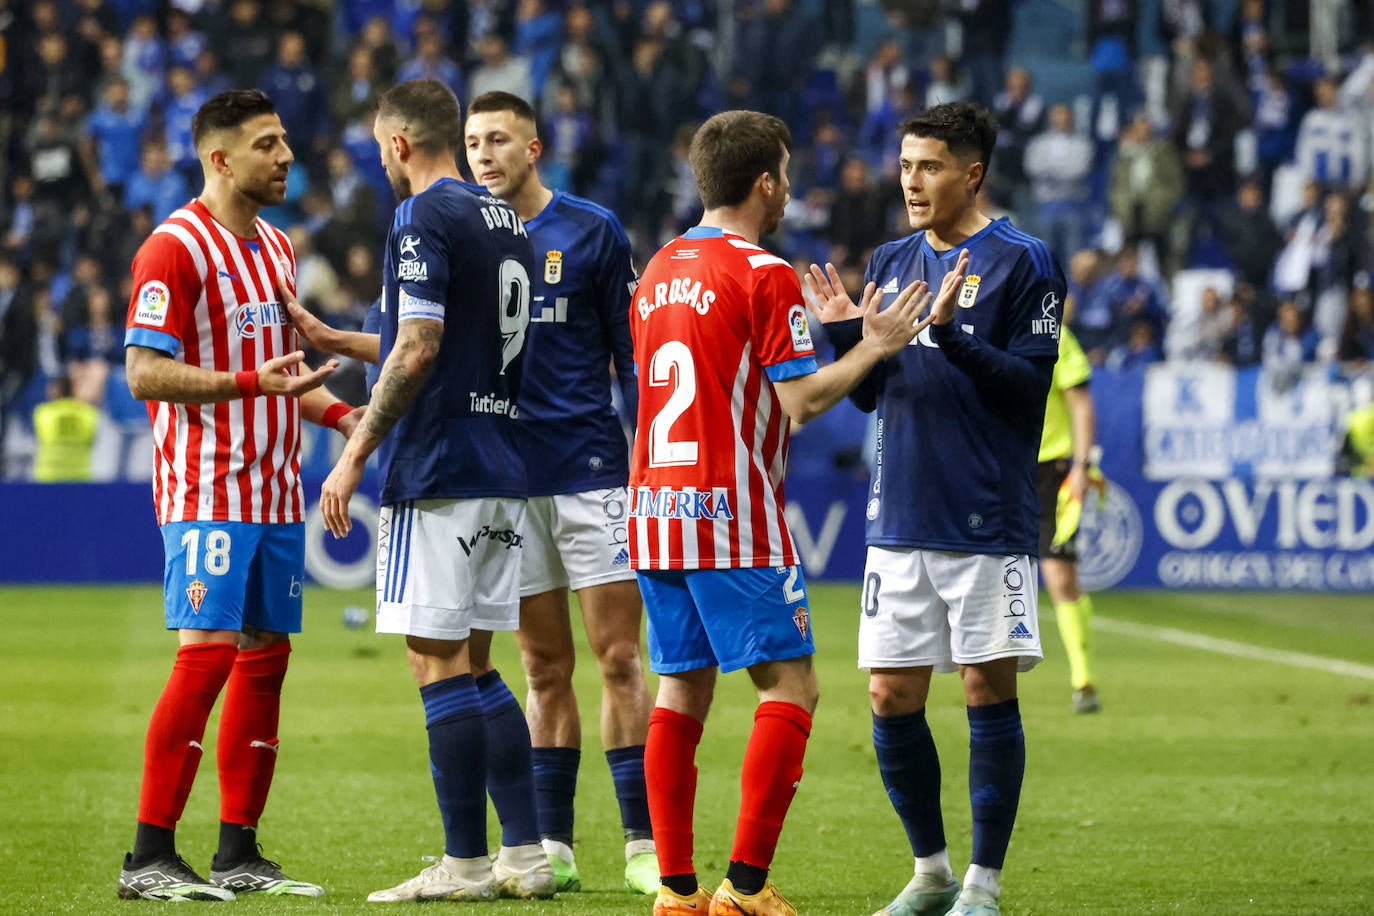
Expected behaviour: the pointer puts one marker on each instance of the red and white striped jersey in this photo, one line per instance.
(716, 320)
(209, 298)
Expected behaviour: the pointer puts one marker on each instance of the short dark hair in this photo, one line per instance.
(502, 101)
(429, 112)
(731, 150)
(969, 130)
(228, 110)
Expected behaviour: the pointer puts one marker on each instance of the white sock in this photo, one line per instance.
(937, 864)
(523, 858)
(989, 879)
(635, 847)
(475, 869)
(557, 848)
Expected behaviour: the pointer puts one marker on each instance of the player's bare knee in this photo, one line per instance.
(548, 672)
(896, 695)
(621, 666)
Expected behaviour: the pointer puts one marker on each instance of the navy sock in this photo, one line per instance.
(910, 768)
(555, 783)
(627, 772)
(996, 765)
(510, 774)
(458, 762)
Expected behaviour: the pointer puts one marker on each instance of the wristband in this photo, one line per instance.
(249, 386)
(334, 413)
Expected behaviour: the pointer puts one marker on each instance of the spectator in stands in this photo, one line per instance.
(1213, 327)
(184, 42)
(1357, 337)
(59, 184)
(179, 104)
(430, 60)
(1090, 314)
(355, 203)
(379, 41)
(245, 44)
(500, 70)
(538, 33)
(93, 346)
(155, 184)
(18, 346)
(1241, 345)
(1133, 300)
(947, 83)
(1142, 347)
(295, 89)
(886, 72)
(19, 217)
(113, 136)
(986, 27)
(1205, 124)
(144, 62)
(1020, 116)
(1331, 141)
(1289, 345)
(858, 217)
(59, 76)
(1249, 234)
(355, 96)
(1058, 162)
(211, 80)
(580, 64)
(1145, 186)
(1335, 263)
(571, 143)
(1274, 123)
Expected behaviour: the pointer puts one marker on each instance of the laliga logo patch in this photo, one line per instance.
(801, 333)
(969, 291)
(195, 592)
(153, 298)
(553, 267)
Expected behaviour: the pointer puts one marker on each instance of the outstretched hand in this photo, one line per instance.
(829, 300)
(943, 310)
(276, 378)
(313, 331)
(892, 328)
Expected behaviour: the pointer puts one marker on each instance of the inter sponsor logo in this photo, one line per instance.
(1048, 322)
(251, 319)
(645, 502)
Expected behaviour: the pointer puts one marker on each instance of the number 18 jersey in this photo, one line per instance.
(716, 320)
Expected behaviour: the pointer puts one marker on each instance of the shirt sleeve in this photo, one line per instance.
(1035, 306)
(615, 289)
(167, 287)
(421, 254)
(781, 336)
(1073, 368)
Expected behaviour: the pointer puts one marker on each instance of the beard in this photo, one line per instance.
(400, 184)
(264, 193)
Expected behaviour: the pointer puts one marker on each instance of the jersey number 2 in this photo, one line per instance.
(672, 364)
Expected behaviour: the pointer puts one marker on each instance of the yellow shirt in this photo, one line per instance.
(1072, 370)
(1361, 421)
(65, 430)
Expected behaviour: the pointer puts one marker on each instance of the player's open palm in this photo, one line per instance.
(942, 311)
(892, 328)
(276, 378)
(829, 299)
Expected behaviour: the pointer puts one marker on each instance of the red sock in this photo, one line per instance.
(172, 749)
(768, 780)
(670, 775)
(247, 745)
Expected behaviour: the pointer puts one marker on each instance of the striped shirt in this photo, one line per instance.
(716, 321)
(208, 298)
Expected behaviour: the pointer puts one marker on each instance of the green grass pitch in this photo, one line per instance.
(1209, 784)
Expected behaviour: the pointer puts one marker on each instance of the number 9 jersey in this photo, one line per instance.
(460, 257)
(716, 320)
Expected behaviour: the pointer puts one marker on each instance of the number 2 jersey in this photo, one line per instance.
(208, 298)
(960, 409)
(458, 256)
(716, 320)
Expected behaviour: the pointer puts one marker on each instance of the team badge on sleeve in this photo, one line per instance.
(969, 291)
(553, 267)
(801, 332)
(153, 298)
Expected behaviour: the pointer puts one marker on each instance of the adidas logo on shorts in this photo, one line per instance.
(1020, 632)
(621, 558)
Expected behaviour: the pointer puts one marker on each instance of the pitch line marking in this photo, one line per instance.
(1238, 649)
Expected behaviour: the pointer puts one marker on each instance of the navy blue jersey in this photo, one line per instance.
(456, 255)
(570, 434)
(960, 410)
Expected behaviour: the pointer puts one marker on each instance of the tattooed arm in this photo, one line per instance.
(403, 375)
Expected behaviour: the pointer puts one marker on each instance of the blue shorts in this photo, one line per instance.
(726, 618)
(228, 575)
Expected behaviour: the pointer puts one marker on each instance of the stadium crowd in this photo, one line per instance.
(1201, 167)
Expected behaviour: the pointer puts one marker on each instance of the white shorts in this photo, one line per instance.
(931, 607)
(575, 540)
(446, 567)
